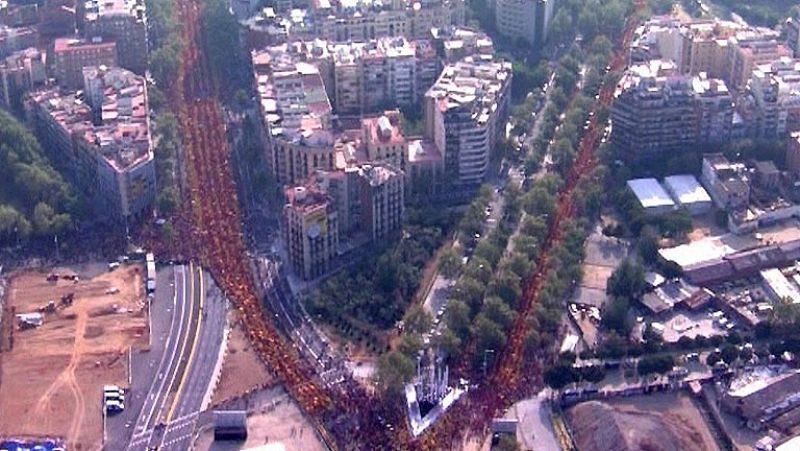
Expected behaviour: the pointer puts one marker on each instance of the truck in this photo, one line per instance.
(151, 272)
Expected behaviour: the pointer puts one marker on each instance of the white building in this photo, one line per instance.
(688, 193)
(651, 195)
(464, 112)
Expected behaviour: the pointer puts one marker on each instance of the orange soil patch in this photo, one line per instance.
(242, 370)
(51, 379)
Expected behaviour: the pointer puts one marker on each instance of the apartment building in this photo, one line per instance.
(657, 113)
(19, 72)
(71, 55)
(464, 111)
(721, 49)
(455, 43)
(371, 76)
(100, 139)
(528, 20)
(122, 21)
(57, 18)
(16, 39)
(311, 230)
(726, 182)
(296, 115)
(749, 50)
(793, 153)
(793, 33)
(382, 199)
(771, 102)
(348, 23)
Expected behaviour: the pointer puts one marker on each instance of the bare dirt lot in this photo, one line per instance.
(664, 421)
(51, 377)
(242, 369)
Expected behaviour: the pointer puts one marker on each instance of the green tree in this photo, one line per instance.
(729, 353)
(393, 370)
(616, 316)
(458, 318)
(167, 201)
(626, 281)
(417, 320)
(560, 376)
(449, 263)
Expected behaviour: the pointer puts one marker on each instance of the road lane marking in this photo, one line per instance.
(188, 368)
(151, 394)
(185, 336)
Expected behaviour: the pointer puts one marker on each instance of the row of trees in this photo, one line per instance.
(482, 301)
(35, 200)
(231, 66)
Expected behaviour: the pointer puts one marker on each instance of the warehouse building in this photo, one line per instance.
(688, 193)
(779, 286)
(652, 196)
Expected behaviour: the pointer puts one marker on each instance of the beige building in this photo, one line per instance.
(122, 21)
(71, 55)
(409, 20)
(382, 199)
(311, 230)
(20, 72)
(101, 140)
(749, 50)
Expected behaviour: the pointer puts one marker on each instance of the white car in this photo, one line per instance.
(113, 405)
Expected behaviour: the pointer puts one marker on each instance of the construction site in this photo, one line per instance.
(67, 332)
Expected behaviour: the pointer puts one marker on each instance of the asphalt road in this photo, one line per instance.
(170, 381)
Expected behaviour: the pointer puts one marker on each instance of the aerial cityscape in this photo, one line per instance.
(279, 225)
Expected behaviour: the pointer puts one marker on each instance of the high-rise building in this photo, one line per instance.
(771, 103)
(793, 153)
(20, 72)
(464, 112)
(374, 75)
(122, 21)
(311, 229)
(363, 22)
(101, 140)
(456, 43)
(656, 114)
(747, 50)
(528, 20)
(793, 33)
(382, 199)
(296, 115)
(16, 39)
(71, 55)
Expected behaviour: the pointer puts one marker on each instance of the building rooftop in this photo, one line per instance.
(475, 82)
(291, 91)
(686, 189)
(650, 193)
(100, 8)
(308, 198)
(783, 288)
(378, 174)
(383, 129)
(766, 397)
(61, 45)
(19, 59)
(111, 114)
(420, 150)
